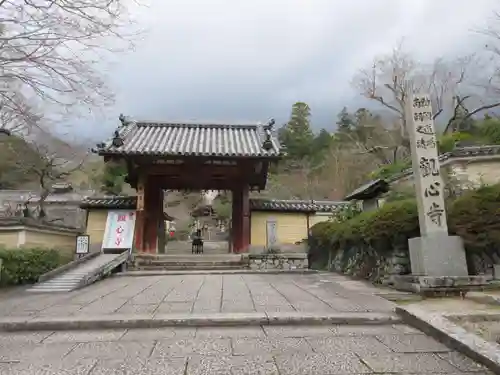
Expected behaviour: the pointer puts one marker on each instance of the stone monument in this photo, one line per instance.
(435, 253)
(271, 234)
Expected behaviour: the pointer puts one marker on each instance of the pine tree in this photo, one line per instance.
(345, 120)
(113, 178)
(297, 135)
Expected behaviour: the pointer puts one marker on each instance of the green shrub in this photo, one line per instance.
(24, 266)
(475, 217)
(391, 170)
(392, 224)
(448, 142)
(400, 193)
(490, 130)
(362, 244)
(319, 243)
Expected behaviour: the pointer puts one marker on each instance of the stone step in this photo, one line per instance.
(162, 263)
(71, 280)
(111, 321)
(65, 280)
(196, 267)
(190, 258)
(207, 245)
(188, 262)
(188, 251)
(53, 282)
(52, 290)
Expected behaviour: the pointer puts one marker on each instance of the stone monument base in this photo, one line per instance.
(438, 267)
(438, 255)
(440, 285)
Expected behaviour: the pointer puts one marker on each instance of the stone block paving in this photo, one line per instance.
(187, 294)
(278, 350)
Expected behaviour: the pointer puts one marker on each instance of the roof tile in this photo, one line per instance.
(184, 139)
(115, 202)
(110, 202)
(294, 205)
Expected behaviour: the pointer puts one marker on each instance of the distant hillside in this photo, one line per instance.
(14, 153)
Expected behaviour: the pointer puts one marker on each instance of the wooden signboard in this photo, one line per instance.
(140, 195)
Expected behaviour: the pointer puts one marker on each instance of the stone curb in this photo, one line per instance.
(211, 272)
(475, 317)
(452, 335)
(483, 298)
(193, 320)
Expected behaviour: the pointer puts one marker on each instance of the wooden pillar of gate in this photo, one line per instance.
(154, 209)
(241, 219)
(140, 215)
(149, 214)
(162, 236)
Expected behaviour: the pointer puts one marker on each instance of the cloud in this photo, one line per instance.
(249, 60)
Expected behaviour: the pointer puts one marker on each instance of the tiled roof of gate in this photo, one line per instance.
(186, 139)
(369, 190)
(110, 202)
(115, 202)
(294, 205)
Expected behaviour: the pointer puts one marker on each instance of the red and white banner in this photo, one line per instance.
(119, 232)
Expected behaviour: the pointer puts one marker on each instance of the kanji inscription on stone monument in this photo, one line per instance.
(435, 253)
(427, 174)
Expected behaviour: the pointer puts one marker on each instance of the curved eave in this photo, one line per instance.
(285, 210)
(181, 155)
(105, 207)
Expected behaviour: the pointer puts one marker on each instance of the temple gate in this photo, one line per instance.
(194, 157)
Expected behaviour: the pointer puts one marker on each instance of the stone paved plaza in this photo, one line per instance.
(230, 293)
(253, 350)
(277, 350)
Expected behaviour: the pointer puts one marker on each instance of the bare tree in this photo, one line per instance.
(50, 55)
(16, 116)
(371, 135)
(345, 170)
(50, 167)
(451, 85)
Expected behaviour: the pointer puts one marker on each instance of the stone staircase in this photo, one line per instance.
(209, 247)
(178, 257)
(179, 262)
(78, 276)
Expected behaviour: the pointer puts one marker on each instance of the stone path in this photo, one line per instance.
(278, 350)
(285, 350)
(202, 294)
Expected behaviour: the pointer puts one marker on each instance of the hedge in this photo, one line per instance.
(476, 218)
(377, 235)
(25, 266)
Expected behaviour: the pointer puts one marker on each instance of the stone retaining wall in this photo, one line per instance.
(277, 261)
(364, 263)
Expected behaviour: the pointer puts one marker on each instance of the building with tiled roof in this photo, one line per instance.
(117, 202)
(192, 139)
(282, 205)
(291, 220)
(163, 156)
(461, 156)
(470, 166)
(96, 213)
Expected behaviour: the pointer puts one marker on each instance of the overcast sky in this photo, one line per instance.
(238, 60)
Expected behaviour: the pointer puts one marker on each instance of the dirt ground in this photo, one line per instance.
(488, 330)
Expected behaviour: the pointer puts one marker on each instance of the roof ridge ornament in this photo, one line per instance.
(117, 139)
(268, 128)
(124, 120)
